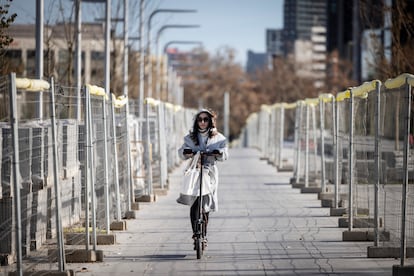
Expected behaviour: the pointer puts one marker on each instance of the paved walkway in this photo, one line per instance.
(263, 227)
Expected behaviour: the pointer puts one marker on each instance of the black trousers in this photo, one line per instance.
(194, 217)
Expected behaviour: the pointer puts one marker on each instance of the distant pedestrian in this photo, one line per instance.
(204, 137)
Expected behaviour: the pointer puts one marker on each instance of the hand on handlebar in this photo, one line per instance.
(216, 152)
(188, 152)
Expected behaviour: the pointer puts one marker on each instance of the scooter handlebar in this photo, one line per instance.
(206, 153)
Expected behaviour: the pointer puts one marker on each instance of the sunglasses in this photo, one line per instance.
(203, 119)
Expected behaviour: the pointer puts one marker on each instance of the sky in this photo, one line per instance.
(238, 24)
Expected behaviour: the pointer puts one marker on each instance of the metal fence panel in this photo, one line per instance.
(76, 166)
(360, 144)
(41, 197)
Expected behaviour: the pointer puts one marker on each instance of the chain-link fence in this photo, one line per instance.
(36, 191)
(272, 130)
(74, 162)
(357, 148)
(396, 167)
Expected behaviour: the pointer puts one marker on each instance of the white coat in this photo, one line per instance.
(217, 142)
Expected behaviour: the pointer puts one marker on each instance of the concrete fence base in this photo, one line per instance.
(398, 270)
(388, 252)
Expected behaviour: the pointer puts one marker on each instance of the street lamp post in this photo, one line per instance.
(141, 60)
(126, 49)
(166, 45)
(78, 67)
(107, 88)
(39, 53)
(199, 43)
(107, 38)
(149, 84)
(107, 41)
(107, 20)
(157, 72)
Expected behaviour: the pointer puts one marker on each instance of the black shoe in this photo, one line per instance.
(204, 242)
(194, 237)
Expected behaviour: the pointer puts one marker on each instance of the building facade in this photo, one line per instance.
(274, 42)
(299, 18)
(59, 53)
(255, 62)
(304, 38)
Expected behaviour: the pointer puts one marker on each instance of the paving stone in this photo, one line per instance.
(263, 227)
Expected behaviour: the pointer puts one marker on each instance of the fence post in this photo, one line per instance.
(162, 145)
(405, 169)
(128, 147)
(307, 147)
(148, 155)
(314, 140)
(15, 168)
(117, 196)
(336, 149)
(106, 166)
(322, 129)
(351, 161)
(298, 133)
(92, 175)
(282, 132)
(87, 166)
(377, 161)
(58, 203)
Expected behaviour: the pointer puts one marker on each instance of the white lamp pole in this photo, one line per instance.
(157, 72)
(149, 84)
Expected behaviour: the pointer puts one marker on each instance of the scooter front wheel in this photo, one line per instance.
(199, 248)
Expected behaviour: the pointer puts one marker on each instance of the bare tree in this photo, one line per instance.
(339, 74)
(64, 29)
(282, 84)
(5, 39)
(215, 75)
(5, 22)
(400, 58)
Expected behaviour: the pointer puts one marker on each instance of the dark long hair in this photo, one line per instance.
(212, 131)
